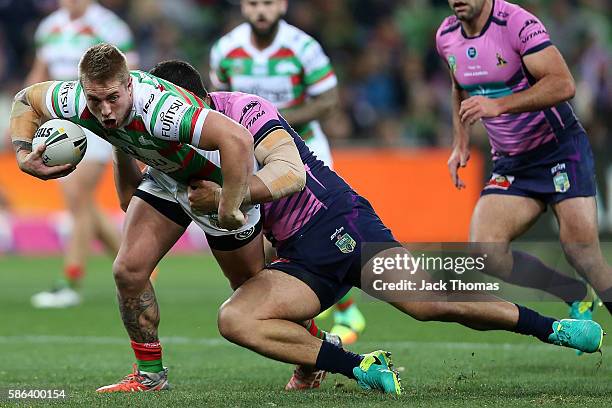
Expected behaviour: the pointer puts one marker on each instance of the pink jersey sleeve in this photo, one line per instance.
(527, 33)
(256, 114)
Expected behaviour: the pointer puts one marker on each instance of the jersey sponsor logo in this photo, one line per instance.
(335, 234)
(500, 182)
(148, 104)
(63, 97)
(251, 113)
(500, 60)
(557, 168)
(526, 24)
(471, 52)
(345, 243)
(170, 119)
(525, 35)
(242, 235)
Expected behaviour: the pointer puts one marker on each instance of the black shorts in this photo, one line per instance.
(174, 212)
(327, 255)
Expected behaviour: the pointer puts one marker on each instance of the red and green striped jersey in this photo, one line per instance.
(61, 41)
(293, 68)
(163, 130)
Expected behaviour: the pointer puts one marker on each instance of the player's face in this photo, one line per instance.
(110, 102)
(466, 10)
(263, 15)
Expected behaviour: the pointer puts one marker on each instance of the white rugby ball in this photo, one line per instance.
(66, 142)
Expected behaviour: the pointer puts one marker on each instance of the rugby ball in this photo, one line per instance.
(66, 142)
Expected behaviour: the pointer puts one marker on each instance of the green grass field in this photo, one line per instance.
(442, 364)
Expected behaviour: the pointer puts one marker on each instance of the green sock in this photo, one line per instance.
(150, 366)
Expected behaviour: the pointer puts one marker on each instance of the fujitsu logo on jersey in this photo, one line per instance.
(168, 117)
(63, 96)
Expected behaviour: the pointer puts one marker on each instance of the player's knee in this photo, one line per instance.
(128, 276)
(233, 323)
(580, 256)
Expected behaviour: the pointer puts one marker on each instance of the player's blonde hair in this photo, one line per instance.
(102, 63)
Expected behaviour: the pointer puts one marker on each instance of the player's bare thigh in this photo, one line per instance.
(272, 294)
(148, 235)
(240, 264)
(502, 218)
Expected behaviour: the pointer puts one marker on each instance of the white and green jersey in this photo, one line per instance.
(163, 129)
(292, 69)
(60, 42)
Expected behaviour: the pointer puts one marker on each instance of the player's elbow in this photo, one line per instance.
(569, 88)
(565, 86)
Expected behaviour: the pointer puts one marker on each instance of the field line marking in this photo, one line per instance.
(219, 342)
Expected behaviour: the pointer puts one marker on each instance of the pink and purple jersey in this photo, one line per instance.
(491, 64)
(283, 218)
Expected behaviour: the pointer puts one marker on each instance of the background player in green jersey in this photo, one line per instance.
(268, 57)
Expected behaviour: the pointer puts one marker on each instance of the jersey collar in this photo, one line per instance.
(484, 29)
(272, 48)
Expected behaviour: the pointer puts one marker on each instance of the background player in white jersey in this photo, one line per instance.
(61, 39)
(268, 57)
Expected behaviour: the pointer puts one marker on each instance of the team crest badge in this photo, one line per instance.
(346, 243)
(500, 60)
(561, 181)
(452, 63)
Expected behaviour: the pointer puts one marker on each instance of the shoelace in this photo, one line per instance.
(562, 335)
(134, 376)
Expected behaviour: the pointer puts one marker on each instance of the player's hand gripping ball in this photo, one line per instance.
(66, 142)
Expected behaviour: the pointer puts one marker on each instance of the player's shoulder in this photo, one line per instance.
(236, 38)
(249, 110)
(449, 25)
(294, 38)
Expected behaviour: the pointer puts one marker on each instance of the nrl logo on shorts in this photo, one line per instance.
(345, 243)
(560, 178)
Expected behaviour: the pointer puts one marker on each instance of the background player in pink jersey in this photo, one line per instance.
(506, 72)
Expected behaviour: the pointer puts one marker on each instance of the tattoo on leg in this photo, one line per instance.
(140, 315)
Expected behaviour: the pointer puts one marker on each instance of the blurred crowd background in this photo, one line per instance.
(394, 88)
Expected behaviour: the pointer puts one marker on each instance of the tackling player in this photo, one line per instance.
(160, 124)
(507, 73)
(268, 57)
